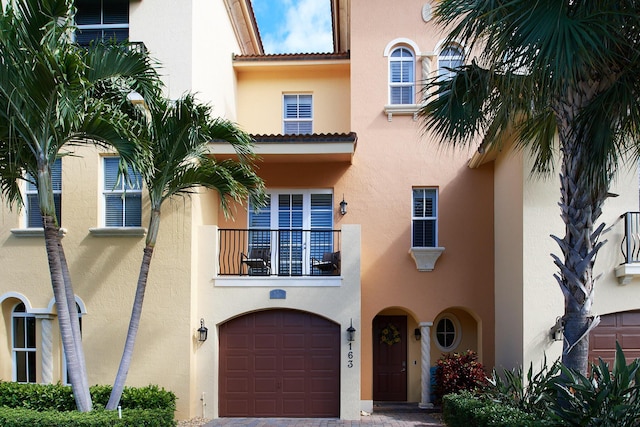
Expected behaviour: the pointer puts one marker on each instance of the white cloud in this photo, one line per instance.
(306, 29)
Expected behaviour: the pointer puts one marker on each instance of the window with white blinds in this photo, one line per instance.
(402, 79)
(34, 217)
(23, 344)
(450, 58)
(122, 198)
(101, 20)
(297, 114)
(288, 213)
(425, 218)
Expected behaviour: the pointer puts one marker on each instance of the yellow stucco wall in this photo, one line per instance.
(261, 89)
(104, 271)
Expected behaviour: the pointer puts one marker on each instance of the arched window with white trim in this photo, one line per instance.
(402, 76)
(23, 344)
(450, 57)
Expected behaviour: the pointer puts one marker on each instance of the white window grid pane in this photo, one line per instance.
(102, 20)
(402, 77)
(122, 198)
(32, 203)
(424, 217)
(23, 345)
(450, 57)
(297, 114)
(291, 212)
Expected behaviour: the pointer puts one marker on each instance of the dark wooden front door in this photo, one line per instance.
(390, 358)
(279, 363)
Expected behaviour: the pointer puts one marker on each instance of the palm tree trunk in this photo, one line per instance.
(52, 243)
(582, 197)
(136, 312)
(75, 319)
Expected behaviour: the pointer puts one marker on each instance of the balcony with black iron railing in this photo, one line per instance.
(279, 253)
(630, 247)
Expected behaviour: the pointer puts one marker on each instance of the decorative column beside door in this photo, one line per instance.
(425, 331)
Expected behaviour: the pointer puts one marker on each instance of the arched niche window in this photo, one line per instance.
(450, 57)
(402, 76)
(23, 344)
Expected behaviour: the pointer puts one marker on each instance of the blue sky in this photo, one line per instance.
(294, 26)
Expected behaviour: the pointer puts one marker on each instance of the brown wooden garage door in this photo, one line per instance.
(279, 363)
(623, 327)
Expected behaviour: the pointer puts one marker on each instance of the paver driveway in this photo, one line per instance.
(374, 420)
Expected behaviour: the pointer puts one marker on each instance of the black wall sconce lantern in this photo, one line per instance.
(351, 332)
(417, 334)
(557, 330)
(203, 331)
(343, 206)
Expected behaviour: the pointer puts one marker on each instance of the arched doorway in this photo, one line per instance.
(279, 363)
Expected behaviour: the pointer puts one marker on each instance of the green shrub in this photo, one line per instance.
(53, 405)
(43, 397)
(466, 409)
(602, 399)
(606, 398)
(457, 372)
(20, 417)
(532, 395)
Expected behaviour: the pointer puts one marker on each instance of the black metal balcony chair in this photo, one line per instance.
(330, 263)
(258, 261)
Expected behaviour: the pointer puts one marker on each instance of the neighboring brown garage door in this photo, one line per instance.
(623, 327)
(279, 363)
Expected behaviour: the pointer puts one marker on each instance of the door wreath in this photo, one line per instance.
(390, 335)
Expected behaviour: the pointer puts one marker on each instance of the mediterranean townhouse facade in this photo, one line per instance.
(379, 249)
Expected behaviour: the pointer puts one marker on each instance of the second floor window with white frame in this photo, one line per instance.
(424, 227)
(402, 76)
(122, 197)
(451, 57)
(297, 114)
(101, 20)
(34, 217)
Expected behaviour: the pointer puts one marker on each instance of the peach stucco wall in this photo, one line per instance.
(391, 158)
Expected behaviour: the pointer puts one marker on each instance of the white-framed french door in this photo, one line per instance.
(301, 222)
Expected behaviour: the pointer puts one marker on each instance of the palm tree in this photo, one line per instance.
(176, 165)
(561, 78)
(54, 93)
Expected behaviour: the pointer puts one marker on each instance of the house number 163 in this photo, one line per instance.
(350, 357)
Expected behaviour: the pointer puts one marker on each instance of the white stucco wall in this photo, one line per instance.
(194, 43)
(528, 298)
(341, 304)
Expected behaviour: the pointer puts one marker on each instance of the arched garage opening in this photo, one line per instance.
(279, 363)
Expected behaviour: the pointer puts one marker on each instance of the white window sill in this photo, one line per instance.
(118, 231)
(627, 272)
(402, 110)
(426, 258)
(34, 232)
